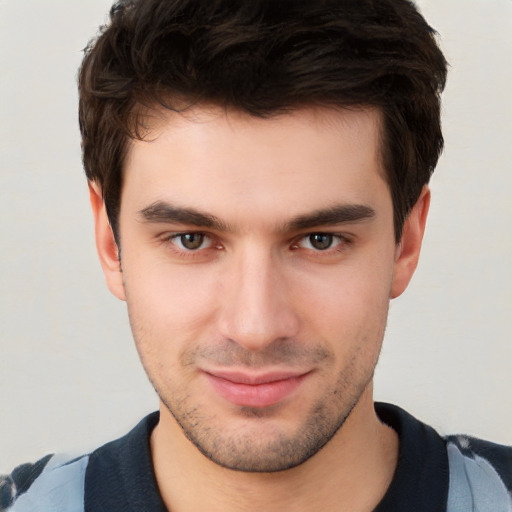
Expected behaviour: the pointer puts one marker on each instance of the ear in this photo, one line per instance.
(408, 250)
(105, 243)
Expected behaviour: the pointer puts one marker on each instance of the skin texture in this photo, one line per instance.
(262, 289)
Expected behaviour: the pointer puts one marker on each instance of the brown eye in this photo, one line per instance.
(191, 241)
(321, 241)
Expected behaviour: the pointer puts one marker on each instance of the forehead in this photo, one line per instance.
(212, 158)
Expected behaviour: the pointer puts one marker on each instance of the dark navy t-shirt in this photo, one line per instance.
(453, 474)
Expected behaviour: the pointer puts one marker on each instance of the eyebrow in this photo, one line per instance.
(163, 212)
(341, 214)
(166, 213)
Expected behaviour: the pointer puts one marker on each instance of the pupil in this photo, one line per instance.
(320, 241)
(192, 240)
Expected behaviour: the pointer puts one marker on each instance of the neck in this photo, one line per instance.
(352, 472)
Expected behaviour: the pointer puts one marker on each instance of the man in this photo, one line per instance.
(259, 180)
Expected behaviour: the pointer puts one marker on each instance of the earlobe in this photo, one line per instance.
(105, 243)
(408, 251)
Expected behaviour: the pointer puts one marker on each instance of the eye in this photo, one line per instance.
(191, 241)
(320, 241)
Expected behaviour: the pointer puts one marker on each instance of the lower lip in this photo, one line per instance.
(255, 395)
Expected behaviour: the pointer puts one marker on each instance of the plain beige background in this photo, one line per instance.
(69, 374)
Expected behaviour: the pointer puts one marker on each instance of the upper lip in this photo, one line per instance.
(243, 377)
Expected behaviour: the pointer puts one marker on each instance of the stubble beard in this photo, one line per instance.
(248, 452)
(280, 450)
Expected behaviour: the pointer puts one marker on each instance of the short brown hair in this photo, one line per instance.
(265, 57)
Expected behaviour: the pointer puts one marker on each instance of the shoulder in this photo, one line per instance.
(455, 473)
(480, 475)
(108, 478)
(52, 484)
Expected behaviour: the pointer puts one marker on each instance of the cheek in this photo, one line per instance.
(172, 296)
(348, 305)
(170, 311)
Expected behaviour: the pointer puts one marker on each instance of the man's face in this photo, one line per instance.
(258, 262)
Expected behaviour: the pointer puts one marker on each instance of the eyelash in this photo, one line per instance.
(170, 239)
(341, 245)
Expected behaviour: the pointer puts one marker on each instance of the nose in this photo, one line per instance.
(257, 304)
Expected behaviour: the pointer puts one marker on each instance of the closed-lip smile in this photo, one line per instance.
(261, 389)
